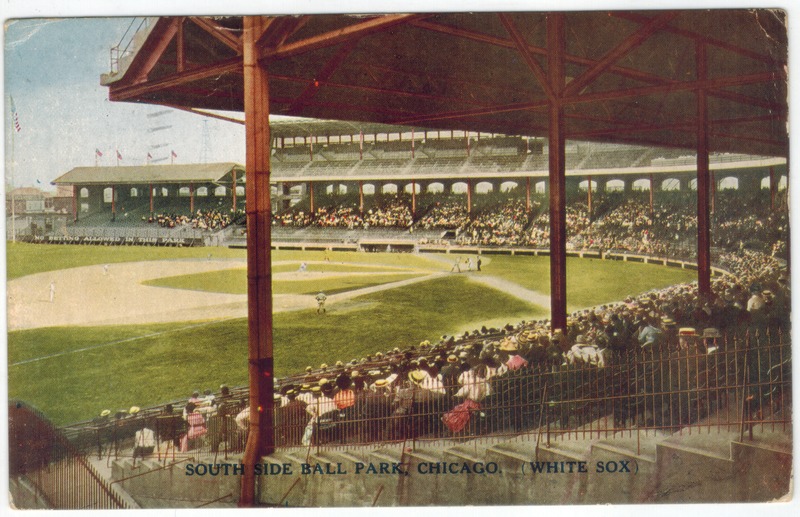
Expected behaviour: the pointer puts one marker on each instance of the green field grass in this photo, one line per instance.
(234, 281)
(590, 282)
(83, 370)
(71, 373)
(26, 259)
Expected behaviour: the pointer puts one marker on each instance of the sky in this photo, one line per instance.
(52, 71)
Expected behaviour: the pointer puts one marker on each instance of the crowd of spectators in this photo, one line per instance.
(449, 215)
(211, 220)
(502, 225)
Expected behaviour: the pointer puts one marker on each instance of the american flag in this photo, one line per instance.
(15, 116)
(98, 153)
(119, 156)
(149, 156)
(174, 155)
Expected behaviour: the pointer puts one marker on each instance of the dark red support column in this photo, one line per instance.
(311, 197)
(527, 194)
(151, 198)
(74, 203)
(191, 198)
(113, 202)
(558, 208)
(413, 198)
(469, 196)
(773, 188)
(589, 195)
(234, 191)
(361, 196)
(703, 216)
(260, 439)
(651, 195)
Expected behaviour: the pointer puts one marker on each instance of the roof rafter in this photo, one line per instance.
(614, 55)
(331, 38)
(202, 72)
(522, 48)
(220, 33)
(324, 74)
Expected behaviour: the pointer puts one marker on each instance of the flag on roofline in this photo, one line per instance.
(174, 155)
(149, 156)
(119, 156)
(98, 153)
(15, 116)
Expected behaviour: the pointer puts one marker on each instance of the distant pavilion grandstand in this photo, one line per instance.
(317, 161)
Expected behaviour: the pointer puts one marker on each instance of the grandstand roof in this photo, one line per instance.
(136, 175)
(631, 77)
(298, 127)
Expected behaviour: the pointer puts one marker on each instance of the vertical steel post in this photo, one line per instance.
(703, 217)
(589, 195)
(74, 203)
(234, 190)
(260, 439)
(558, 230)
(773, 188)
(528, 194)
(651, 195)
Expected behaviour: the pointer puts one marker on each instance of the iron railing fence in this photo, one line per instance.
(736, 383)
(60, 474)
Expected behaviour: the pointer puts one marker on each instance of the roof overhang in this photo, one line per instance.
(632, 76)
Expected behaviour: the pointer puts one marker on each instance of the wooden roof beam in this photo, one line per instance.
(324, 74)
(203, 72)
(491, 110)
(719, 82)
(630, 73)
(701, 38)
(335, 37)
(154, 47)
(522, 47)
(218, 32)
(627, 45)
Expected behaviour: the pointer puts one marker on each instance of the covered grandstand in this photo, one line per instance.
(476, 80)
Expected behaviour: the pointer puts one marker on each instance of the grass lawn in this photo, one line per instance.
(159, 363)
(26, 259)
(589, 281)
(234, 281)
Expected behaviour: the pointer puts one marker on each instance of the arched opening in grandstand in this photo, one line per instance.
(584, 186)
(435, 188)
(389, 188)
(540, 187)
(508, 186)
(134, 192)
(459, 187)
(220, 191)
(296, 190)
(84, 192)
(729, 183)
(202, 192)
(184, 192)
(412, 187)
(782, 183)
(240, 191)
(641, 185)
(693, 184)
(108, 193)
(368, 189)
(164, 192)
(484, 187)
(615, 186)
(671, 184)
(765, 183)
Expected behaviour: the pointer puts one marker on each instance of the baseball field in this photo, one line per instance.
(93, 328)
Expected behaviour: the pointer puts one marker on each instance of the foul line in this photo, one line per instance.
(118, 342)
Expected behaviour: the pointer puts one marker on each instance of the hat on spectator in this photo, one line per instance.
(416, 376)
(105, 412)
(380, 383)
(668, 322)
(687, 331)
(339, 364)
(133, 410)
(323, 381)
(452, 358)
(323, 366)
(309, 369)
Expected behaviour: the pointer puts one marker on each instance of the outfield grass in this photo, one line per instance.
(26, 259)
(158, 363)
(234, 281)
(590, 282)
